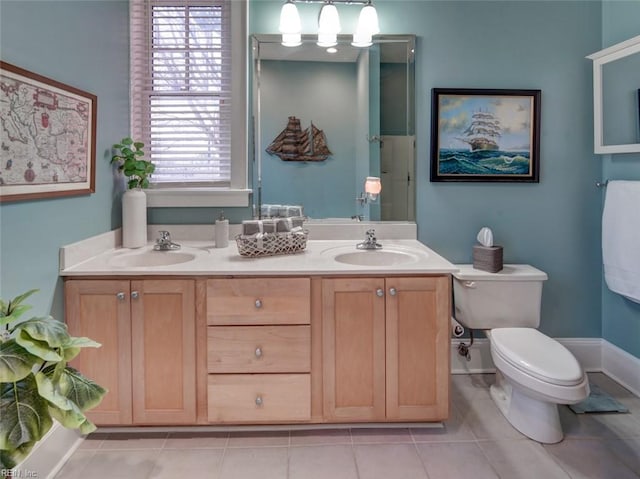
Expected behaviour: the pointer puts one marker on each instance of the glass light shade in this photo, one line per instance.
(362, 40)
(291, 39)
(368, 20)
(327, 40)
(329, 21)
(372, 187)
(290, 19)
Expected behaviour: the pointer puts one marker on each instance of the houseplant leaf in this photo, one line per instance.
(15, 361)
(73, 347)
(36, 347)
(61, 407)
(82, 391)
(10, 458)
(25, 414)
(46, 329)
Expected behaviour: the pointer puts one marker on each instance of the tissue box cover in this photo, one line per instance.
(487, 258)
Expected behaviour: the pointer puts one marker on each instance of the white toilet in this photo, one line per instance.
(535, 372)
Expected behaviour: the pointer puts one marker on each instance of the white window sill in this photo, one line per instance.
(196, 197)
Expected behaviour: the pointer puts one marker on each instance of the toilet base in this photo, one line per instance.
(536, 419)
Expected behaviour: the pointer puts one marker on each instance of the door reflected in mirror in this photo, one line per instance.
(356, 103)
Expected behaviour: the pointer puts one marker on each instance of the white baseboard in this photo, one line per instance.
(50, 454)
(621, 366)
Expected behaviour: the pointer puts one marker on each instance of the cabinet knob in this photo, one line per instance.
(135, 294)
(258, 352)
(379, 292)
(259, 401)
(392, 291)
(258, 303)
(120, 296)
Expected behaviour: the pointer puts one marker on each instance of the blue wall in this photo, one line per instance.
(620, 317)
(83, 44)
(476, 44)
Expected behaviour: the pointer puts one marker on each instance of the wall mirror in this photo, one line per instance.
(359, 103)
(615, 98)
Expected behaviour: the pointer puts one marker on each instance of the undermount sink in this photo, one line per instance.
(149, 258)
(377, 258)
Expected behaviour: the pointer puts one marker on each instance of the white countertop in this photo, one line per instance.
(317, 259)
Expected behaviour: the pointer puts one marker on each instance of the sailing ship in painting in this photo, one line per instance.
(483, 131)
(294, 144)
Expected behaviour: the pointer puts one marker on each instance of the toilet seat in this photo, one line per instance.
(537, 355)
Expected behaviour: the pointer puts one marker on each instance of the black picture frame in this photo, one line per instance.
(485, 135)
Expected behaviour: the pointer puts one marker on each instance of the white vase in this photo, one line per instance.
(134, 218)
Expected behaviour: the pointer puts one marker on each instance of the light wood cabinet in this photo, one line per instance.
(259, 350)
(385, 348)
(148, 356)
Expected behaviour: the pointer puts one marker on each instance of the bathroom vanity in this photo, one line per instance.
(217, 339)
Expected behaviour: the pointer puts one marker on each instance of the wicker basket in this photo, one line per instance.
(271, 244)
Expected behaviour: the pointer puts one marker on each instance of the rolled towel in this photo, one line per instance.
(294, 210)
(252, 227)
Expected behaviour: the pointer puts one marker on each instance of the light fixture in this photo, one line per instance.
(332, 50)
(329, 23)
(290, 25)
(367, 27)
(372, 188)
(368, 20)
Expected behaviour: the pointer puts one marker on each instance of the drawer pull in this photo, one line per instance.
(120, 296)
(379, 292)
(135, 294)
(258, 303)
(393, 291)
(259, 401)
(258, 352)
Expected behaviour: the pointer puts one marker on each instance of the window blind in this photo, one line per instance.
(181, 89)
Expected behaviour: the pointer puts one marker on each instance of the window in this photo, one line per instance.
(188, 99)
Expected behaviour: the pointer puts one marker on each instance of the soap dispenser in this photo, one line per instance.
(221, 233)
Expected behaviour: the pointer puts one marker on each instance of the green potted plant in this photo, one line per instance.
(129, 155)
(36, 384)
(130, 158)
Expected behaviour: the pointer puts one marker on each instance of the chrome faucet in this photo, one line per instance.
(370, 242)
(164, 243)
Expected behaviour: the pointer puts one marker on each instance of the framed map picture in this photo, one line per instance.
(47, 131)
(485, 135)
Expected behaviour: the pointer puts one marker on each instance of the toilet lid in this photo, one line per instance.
(537, 355)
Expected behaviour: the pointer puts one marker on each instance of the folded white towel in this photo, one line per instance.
(621, 238)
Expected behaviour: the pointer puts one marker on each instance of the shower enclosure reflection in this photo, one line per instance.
(362, 100)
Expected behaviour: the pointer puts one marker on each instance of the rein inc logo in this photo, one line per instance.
(18, 473)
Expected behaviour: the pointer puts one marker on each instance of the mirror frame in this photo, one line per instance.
(255, 102)
(601, 58)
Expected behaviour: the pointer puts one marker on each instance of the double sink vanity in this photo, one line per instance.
(203, 336)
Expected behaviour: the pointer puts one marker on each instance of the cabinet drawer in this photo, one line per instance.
(255, 301)
(243, 398)
(259, 349)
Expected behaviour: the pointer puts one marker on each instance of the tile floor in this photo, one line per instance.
(475, 443)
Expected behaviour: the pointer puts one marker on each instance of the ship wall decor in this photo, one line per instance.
(485, 135)
(295, 144)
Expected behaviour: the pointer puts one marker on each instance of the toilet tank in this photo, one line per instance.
(507, 299)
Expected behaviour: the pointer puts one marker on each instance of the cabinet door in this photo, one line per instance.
(163, 351)
(100, 310)
(353, 349)
(418, 311)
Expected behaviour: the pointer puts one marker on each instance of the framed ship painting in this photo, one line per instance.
(48, 132)
(485, 135)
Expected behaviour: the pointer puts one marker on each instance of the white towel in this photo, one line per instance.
(621, 238)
